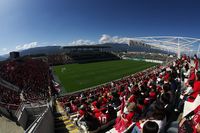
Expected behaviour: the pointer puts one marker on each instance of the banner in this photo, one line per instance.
(190, 106)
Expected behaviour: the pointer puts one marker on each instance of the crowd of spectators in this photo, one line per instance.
(149, 101)
(100, 101)
(151, 56)
(58, 59)
(80, 57)
(92, 56)
(9, 98)
(31, 76)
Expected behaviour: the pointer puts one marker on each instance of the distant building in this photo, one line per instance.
(14, 55)
(86, 48)
(137, 43)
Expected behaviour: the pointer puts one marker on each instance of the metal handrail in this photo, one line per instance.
(19, 110)
(8, 85)
(35, 123)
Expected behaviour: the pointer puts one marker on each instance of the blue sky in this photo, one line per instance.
(31, 23)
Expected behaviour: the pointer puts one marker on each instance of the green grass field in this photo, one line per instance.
(79, 76)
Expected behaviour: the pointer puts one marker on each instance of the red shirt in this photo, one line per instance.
(192, 76)
(104, 101)
(196, 118)
(140, 107)
(166, 77)
(129, 117)
(94, 103)
(122, 106)
(196, 62)
(74, 108)
(196, 90)
(152, 94)
(104, 118)
(81, 112)
(131, 99)
(97, 112)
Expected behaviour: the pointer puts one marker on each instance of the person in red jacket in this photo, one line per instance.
(196, 88)
(191, 122)
(125, 120)
(196, 62)
(192, 76)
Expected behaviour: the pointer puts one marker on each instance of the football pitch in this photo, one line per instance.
(74, 77)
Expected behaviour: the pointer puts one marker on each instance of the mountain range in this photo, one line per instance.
(115, 47)
(2, 58)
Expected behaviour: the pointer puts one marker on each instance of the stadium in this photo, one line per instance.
(97, 89)
(99, 66)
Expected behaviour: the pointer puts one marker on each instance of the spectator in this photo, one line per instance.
(196, 88)
(124, 120)
(89, 122)
(196, 62)
(150, 127)
(191, 122)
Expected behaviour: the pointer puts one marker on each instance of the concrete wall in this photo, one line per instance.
(8, 113)
(4, 111)
(8, 126)
(46, 125)
(23, 119)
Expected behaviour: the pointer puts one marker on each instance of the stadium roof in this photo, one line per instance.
(175, 44)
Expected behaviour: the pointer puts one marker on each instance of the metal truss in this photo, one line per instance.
(179, 45)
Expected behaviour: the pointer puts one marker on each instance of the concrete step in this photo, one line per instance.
(62, 123)
(64, 118)
(56, 114)
(61, 130)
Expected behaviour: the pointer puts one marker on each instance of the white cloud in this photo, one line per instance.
(105, 39)
(82, 42)
(26, 46)
(4, 51)
(115, 39)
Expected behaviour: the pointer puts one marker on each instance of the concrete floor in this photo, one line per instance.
(8, 126)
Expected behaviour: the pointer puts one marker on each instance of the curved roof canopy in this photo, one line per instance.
(179, 45)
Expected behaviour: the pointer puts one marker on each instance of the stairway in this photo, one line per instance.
(62, 122)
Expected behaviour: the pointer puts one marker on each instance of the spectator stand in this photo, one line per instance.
(74, 115)
(163, 71)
